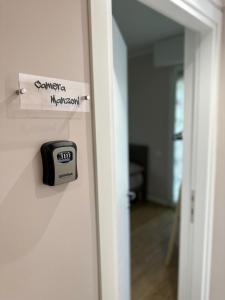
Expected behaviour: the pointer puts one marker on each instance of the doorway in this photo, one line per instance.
(203, 36)
(155, 104)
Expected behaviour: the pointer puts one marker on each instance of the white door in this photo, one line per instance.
(47, 234)
(120, 105)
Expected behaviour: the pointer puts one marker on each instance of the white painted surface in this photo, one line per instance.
(143, 27)
(189, 160)
(200, 17)
(120, 106)
(169, 52)
(47, 234)
(204, 14)
(218, 3)
(102, 70)
(218, 251)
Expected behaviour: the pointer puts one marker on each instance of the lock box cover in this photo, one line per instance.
(59, 159)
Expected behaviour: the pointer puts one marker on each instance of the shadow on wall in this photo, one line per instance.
(26, 213)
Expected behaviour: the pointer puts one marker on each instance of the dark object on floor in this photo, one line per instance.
(138, 156)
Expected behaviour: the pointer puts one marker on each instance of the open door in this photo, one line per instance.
(120, 106)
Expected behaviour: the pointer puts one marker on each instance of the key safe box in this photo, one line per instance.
(59, 159)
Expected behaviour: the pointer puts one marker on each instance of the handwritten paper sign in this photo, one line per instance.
(44, 93)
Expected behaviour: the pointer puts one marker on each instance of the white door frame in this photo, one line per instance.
(201, 76)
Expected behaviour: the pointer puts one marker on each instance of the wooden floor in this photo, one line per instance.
(150, 232)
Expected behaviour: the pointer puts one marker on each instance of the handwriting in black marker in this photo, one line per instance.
(50, 85)
(61, 101)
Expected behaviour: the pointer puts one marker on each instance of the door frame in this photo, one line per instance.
(202, 53)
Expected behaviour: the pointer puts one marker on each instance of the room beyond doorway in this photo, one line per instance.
(151, 92)
(150, 278)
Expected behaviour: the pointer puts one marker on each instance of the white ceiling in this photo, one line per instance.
(142, 26)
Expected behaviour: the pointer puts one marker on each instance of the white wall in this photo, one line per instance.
(169, 52)
(218, 254)
(47, 234)
(151, 121)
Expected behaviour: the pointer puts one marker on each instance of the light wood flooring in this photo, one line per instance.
(150, 231)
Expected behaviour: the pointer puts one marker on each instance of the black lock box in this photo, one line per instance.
(59, 159)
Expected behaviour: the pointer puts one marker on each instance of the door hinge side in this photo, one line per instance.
(192, 213)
